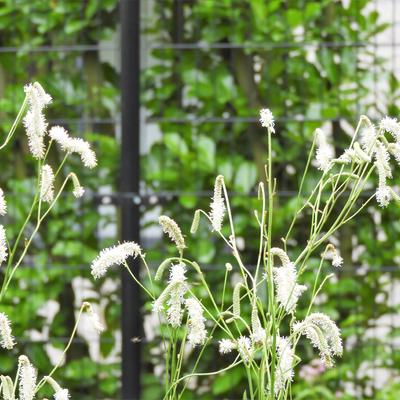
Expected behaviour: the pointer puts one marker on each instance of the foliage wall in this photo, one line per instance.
(57, 44)
(302, 59)
(213, 66)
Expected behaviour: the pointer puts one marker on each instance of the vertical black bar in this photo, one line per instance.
(130, 176)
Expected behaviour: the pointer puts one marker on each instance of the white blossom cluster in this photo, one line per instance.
(288, 290)
(59, 392)
(171, 228)
(27, 381)
(28, 386)
(6, 338)
(47, 184)
(325, 152)
(34, 121)
(284, 370)
(3, 203)
(245, 348)
(197, 333)
(115, 255)
(323, 334)
(173, 296)
(217, 205)
(373, 146)
(267, 119)
(3, 245)
(226, 346)
(74, 145)
(178, 288)
(333, 254)
(94, 318)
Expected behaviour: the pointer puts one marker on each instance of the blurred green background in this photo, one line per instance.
(208, 66)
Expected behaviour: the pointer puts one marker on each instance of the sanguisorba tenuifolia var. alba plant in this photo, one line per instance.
(26, 385)
(273, 288)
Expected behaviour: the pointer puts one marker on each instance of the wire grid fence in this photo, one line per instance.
(70, 60)
(77, 64)
(186, 38)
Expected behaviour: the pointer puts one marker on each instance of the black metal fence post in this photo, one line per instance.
(130, 177)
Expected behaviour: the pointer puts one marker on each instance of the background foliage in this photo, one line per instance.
(57, 44)
(306, 60)
(215, 64)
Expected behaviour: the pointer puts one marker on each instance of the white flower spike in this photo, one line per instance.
(115, 255)
(6, 338)
(267, 119)
(3, 203)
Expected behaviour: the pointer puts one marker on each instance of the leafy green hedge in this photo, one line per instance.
(307, 62)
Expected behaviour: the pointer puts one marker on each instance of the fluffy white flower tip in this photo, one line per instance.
(226, 346)
(62, 394)
(3, 203)
(7, 340)
(267, 119)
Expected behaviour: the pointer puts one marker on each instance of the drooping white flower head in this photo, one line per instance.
(244, 348)
(177, 273)
(3, 203)
(177, 283)
(37, 97)
(61, 137)
(115, 255)
(267, 119)
(62, 394)
(217, 205)
(59, 392)
(196, 322)
(74, 145)
(368, 137)
(383, 195)
(323, 334)
(390, 125)
(285, 279)
(7, 388)
(382, 163)
(284, 371)
(287, 289)
(337, 261)
(47, 184)
(325, 152)
(6, 338)
(82, 147)
(394, 149)
(173, 295)
(34, 120)
(94, 318)
(348, 156)
(78, 189)
(332, 253)
(226, 346)
(171, 228)
(258, 333)
(27, 379)
(3, 245)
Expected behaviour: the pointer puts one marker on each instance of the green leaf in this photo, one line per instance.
(224, 382)
(245, 178)
(206, 152)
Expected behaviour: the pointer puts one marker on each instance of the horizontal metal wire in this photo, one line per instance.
(190, 46)
(280, 45)
(224, 120)
(59, 48)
